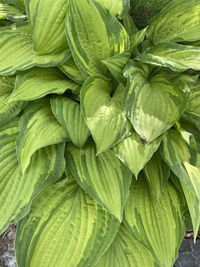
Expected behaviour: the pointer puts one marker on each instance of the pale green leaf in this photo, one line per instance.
(116, 7)
(149, 102)
(134, 153)
(20, 56)
(65, 227)
(157, 225)
(38, 82)
(93, 35)
(16, 190)
(10, 12)
(176, 153)
(68, 113)
(8, 110)
(37, 128)
(157, 174)
(70, 69)
(126, 251)
(194, 101)
(104, 177)
(103, 112)
(47, 20)
(177, 57)
(177, 22)
(18, 3)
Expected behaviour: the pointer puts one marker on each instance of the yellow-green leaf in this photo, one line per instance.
(157, 225)
(104, 177)
(68, 113)
(65, 227)
(93, 35)
(103, 112)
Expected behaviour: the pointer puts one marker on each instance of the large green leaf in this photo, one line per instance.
(134, 153)
(157, 174)
(37, 82)
(47, 20)
(148, 102)
(65, 227)
(18, 3)
(104, 177)
(70, 69)
(158, 225)
(103, 112)
(20, 56)
(68, 113)
(116, 7)
(37, 128)
(126, 251)
(176, 153)
(177, 57)
(10, 12)
(93, 35)
(177, 22)
(16, 190)
(194, 101)
(8, 110)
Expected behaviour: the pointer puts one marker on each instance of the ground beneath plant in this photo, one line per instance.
(189, 253)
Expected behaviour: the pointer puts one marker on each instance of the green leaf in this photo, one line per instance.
(65, 227)
(126, 251)
(8, 110)
(148, 102)
(70, 69)
(38, 82)
(177, 57)
(68, 113)
(104, 177)
(103, 112)
(116, 7)
(175, 22)
(37, 128)
(16, 190)
(47, 20)
(10, 12)
(18, 3)
(20, 56)
(176, 153)
(194, 101)
(157, 174)
(157, 225)
(130, 26)
(134, 153)
(93, 35)
(116, 65)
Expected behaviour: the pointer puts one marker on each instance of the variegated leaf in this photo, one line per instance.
(65, 227)
(104, 177)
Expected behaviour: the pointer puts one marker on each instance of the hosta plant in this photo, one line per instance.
(99, 132)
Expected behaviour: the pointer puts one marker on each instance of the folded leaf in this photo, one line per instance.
(176, 153)
(177, 57)
(47, 20)
(37, 128)
(16, 190)
(8, 110)
(93, 35)
(175, 22)
(134, 153)
(157, 225)
(148, 103)
(38, 82)
(157, 174)
(70, 69)
(103, 112)
(20, 56)
(68, 113)
(126, 251)
(103, 177)
(65, 227)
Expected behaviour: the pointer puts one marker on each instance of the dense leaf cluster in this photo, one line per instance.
(99, 132)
